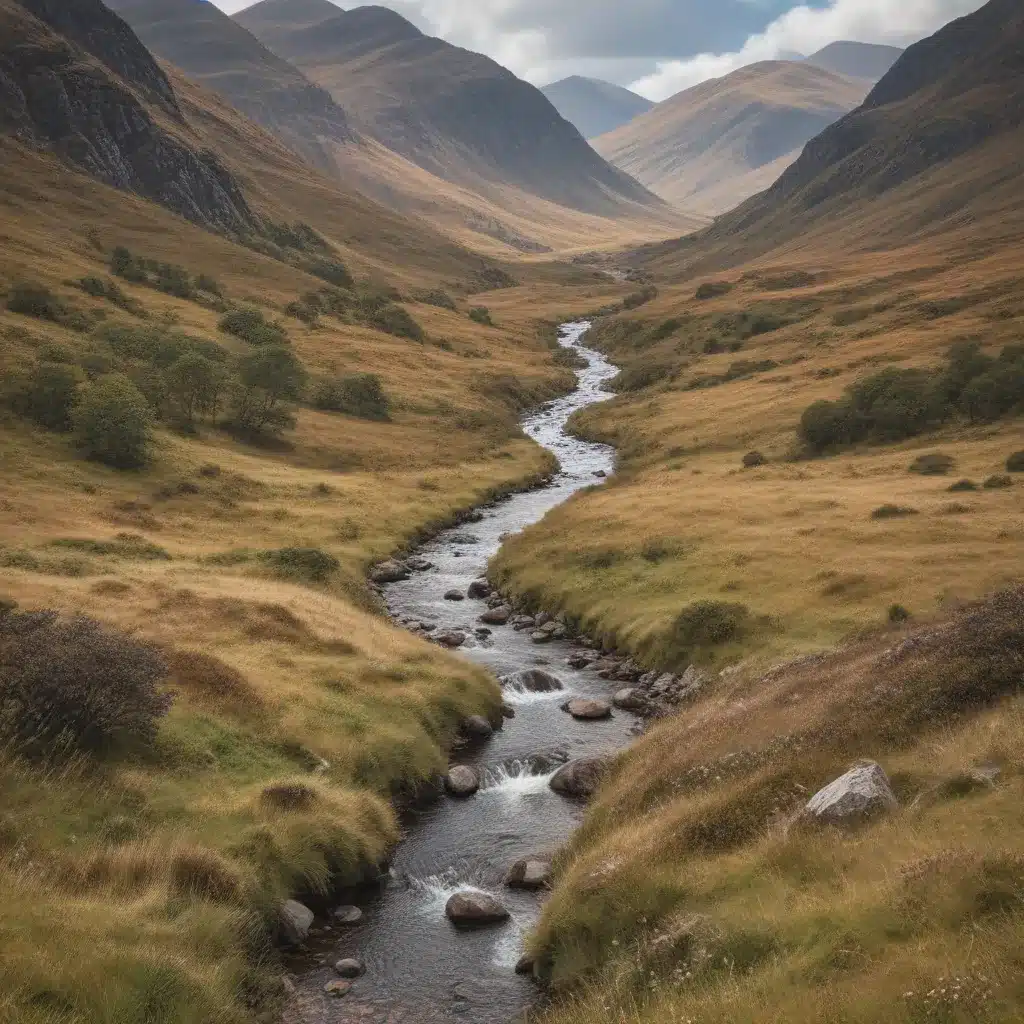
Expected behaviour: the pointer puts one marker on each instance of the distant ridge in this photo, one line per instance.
(594, 106)
(856, 60)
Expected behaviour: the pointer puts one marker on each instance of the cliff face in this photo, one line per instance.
(75, 80)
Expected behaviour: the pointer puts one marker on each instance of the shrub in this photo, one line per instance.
(77, 683)
(47, 394)
(481, 315)
(896, 404)
(35, 300)
(713, 290)
(252, 326)
(897, 613)
(1015, 463)
(994, 394)
(112, 423)
(331, 271)
(639, 298)
(825, 425)
(268, 380)
(962, 485)
(706, 623)
(438, 298)
(395, 320)
(206, 283)
(359, 394)
(665, 329)
(304, 311)
(893, 512)
(105, 288)
(309, 564)
(997, 482)
(753, 459)
(932, 464)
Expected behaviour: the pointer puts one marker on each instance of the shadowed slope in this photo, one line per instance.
(594, 106)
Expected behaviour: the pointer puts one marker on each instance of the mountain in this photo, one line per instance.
(75, 80)
(710, 147)
(593, 106)
(216, 51)
(456, 114)
(856, 60)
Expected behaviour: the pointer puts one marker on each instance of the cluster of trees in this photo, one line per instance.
(374, 307)
(896, 404)
(169, 278)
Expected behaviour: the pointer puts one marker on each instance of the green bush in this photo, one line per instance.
(713, 290)
(1015, 463)
(210, 285)
(106, 288)
(639, 298)
(932, 464)
(481, 315)
(961, 486)
(112, 423)
(897, 614)
(309, 564)
(303, 310)
(269, 381)
(994, 394)
(359, 394)
(76, 685)
(47, 394)
(893, 512)
(331, 271)
(252, 326)
(395, 320)
(438, 298)
(707, 623)
(826, 425)
(35, 300)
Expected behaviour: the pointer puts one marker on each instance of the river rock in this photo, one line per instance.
(540, 637)
(580, 778)
(529, 873)
(600, 474)
(451, 639)
(464, 538)
(338, 988)
(462, 781)
(524, 965)
(588, 710)
(497, 616)
(390, 571)
(347, 916)
(533, 680)
(419, 564)
(454, 595)
(523, 622)
(581, 659)
(350, 967)
(469, 909)
(541, 619)
(476, 727)
(690, 683)
(861, 792)
(479, 589)
(629, 699)
(507, 711)
(296, 920)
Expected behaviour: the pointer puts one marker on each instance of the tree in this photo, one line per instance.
(47, 394)
(268, 380)
(192, 382)
(112, 423)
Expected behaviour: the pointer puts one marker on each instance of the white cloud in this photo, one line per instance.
(805, 30)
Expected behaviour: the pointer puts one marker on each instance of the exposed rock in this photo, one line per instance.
(464, 538)
(479, 589)
(630, 699)
(581, 659)
(540, 637)
(296, 920)
(391, 571)
(690, 683)
(580, 778)
(469, 909)
(347, 915)
(451, 639)
(419, 564)
(476, 727)
(588, 710)
(350, 967)
(454, 595)
(533, 680)
(860, 793)
(338, 988)
(497, 616)
(541, 619)
(462, 781)
(524, 965)
(507, 711)
(529, 873)
(483, 631)
(600, 474)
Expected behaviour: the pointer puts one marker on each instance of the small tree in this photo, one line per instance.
(192, 381)
(47, 394)
(112, 423)
(268, 380)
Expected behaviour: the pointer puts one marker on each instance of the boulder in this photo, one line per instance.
(347, 916)
(580, 778)
(337, 988)
(524, 965)
(529, 873)
(533, 680)
(462, 781)
(540, 637)
(390, 571)
(629, 699)
(479, 589)
(419, 564)
(860, 793)
(588, 710)
(541, 619)
(470, 909)
(581, 659)
(451, 639)
(454, 595)
(350, 967)
(690, 683)
(507, 711)
(476, 727)
(497, 616)
(296, 920)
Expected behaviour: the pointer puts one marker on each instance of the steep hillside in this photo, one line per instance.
(71, 78)
(217, 52)
(708, 148)
(455, 113)
(594, 106)
(856, 60)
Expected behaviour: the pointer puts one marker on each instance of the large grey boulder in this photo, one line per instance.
(470, 909)
(462, 781)
(588, 710)
(451, 639)
(860, 793)
(296, 920)
(630, 699)
(529, 873)
(390, 571)
(580, 778)
(533, 680)
(498, 616)
(476, 727)
(479, 589)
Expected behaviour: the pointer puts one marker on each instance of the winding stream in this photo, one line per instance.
(419, 968)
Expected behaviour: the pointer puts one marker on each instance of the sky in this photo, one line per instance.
(658, 47)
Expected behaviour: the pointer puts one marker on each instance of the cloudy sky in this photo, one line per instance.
(660, 46)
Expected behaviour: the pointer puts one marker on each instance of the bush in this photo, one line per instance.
(826, 425)
(753, 459)
(47, 394)
(208, 284)
(1015, 463)
(359, 394)
(962, 485)
(932, 464)
(713, 290)
(77, 683)
(997, 482)
(395, 320)
(309, 564)
(304, 311)
(269, 379)
(481, 315)
(252, 326)
(896, 404)
(438, 298)
(35, 300)
(639, 298)
(897, 613)
(112, 423)
(994, 394)
(105, 288)
(707, 623)
(331, 271)
(893, 512)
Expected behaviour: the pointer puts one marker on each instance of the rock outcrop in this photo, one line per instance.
(861, 793)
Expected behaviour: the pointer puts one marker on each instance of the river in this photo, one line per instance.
(419, 968)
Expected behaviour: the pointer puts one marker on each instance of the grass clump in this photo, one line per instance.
(249, 324)
(932, 464)
(357, 394)
(395, 320)
(962, 486)
(112, 423)
(481, 315)
(1015, 463)
(310, 565)
(997, 482)
(893, 512)
(713, 290)
(125, 545)
(76, 684)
